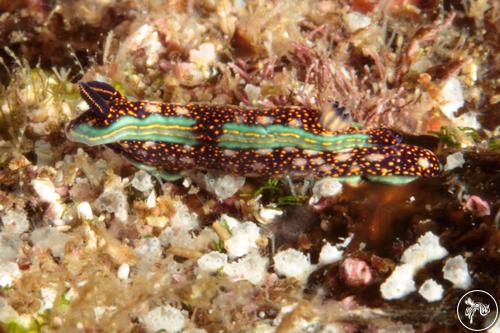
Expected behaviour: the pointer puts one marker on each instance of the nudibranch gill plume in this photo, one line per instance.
(172, 138)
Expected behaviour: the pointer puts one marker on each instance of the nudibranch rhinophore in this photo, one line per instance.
(172, 138)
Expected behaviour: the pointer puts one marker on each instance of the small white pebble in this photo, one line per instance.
(142, 181)
(151, 200)
(99, 311)
(293, 264)
(15, 221)
(184, 218)
(204, 55)
(243, 238)
(326, 187)
(54, 213)
(223, 186)
(85, 211)
(230, 221)
(431, 290)
(82, 106)
(187, 182)
(148, 39)
(455, 270)
(453, 161)
(426, 250)
(212, 261)
(267, 215)
(8, 272)
(329, 254)
(251, 267)
(453, 97)
(399, 284)
(123, 272)
(165, 318)
(48, 297)
(253, 93)
(355, 21)
(45, 190)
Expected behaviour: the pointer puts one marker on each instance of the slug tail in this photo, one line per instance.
(395, 164)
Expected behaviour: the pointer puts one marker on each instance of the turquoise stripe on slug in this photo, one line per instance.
(394, 180)
(240, 136)
(153, 128)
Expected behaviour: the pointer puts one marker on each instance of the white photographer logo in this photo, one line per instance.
(473, 307)
(477, 310)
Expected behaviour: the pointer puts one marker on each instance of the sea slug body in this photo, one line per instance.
(249, 142)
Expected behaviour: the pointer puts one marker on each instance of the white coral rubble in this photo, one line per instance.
(212, 262)
(251, 267)
(455, 270)
(15, 221)
(431, 290)
(326, 187)
(244, 237)
(9, 271)
(400, 283)
(292, 263)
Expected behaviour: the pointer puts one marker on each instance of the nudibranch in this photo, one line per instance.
(172, 138)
